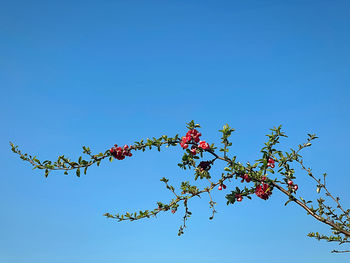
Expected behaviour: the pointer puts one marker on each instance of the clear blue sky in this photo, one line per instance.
(97, 73)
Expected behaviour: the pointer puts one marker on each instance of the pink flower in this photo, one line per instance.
(204, 145)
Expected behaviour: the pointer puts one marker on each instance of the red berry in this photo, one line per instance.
(220, 187)
(290, 182)
(224, 186)
(295, 187)
(272, 161)
(272, 165)
(173, 211)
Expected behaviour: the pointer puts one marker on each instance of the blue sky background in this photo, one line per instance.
(96, 73)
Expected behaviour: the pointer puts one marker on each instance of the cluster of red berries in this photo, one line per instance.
(263, 190)
(292, 186)
(245, 177)
(192, 136)
(221, 186)
(271, 163)
(204, 166)
(119, 152)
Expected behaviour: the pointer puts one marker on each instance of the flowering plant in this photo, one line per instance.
(272, 172)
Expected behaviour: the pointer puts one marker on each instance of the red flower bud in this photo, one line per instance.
(193, 150)
(239, 197)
